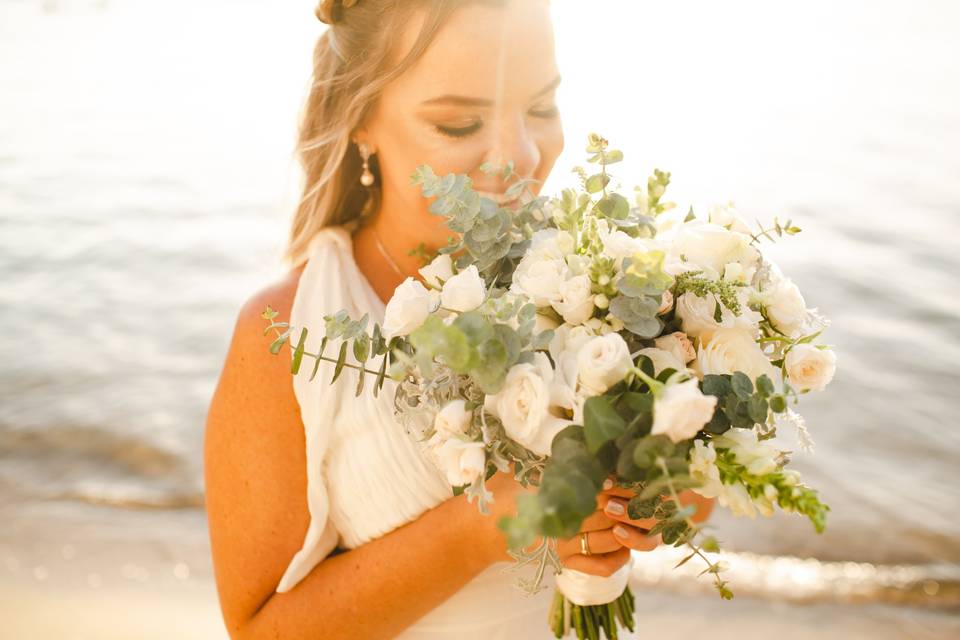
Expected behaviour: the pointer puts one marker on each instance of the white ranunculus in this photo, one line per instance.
(539, 278)
(464, 291)
(786, 307)
(576, 300)
(602, 362)
(682, 410)
(678, 344)
(712, 248)
(438, 271)
(662, 359)
(462, 461)
(407, 309)
(453, 418)
(810, 368)
(730, 350)
(727, 216)
(523, 405)
(697, 319)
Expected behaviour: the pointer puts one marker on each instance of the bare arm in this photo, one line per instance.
(255, 472)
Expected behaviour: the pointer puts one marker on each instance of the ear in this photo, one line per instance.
(362, 134)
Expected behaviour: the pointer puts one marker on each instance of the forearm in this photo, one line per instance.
(382, 587)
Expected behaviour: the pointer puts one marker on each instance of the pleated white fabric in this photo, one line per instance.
(366, 476)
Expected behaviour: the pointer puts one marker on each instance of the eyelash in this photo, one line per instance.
(462, 132)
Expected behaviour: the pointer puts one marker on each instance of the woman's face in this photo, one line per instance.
(483, 91)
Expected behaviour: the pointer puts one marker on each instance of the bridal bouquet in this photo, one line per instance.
(585, 337)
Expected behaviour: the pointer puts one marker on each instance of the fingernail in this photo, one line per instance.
(615, 507)
(607, 484)
(620, 532)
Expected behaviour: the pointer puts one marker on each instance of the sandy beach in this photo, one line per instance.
(72, 571)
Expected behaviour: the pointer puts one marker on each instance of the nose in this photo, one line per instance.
(513, 141)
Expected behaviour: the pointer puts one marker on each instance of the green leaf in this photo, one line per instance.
(757, 407)
(716, 385)
(319, 360)
(741, 385)
(765, 385)
(381, 375)
(614, 206)
(778, 403)
(596, 182)
(641, 508)
(278, 343)
(602, 423)
(298, 353)
(341, 360)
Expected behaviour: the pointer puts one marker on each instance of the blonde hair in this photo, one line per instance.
(351, 66)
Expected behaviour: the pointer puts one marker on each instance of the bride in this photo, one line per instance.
(324, 519)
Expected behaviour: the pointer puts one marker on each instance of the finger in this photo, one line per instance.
(634, 537)
(597, 520)
(601, 541)
(616, 508)
(602, 564)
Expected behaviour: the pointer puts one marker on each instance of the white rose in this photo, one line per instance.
(602, 362)
(810, 368)
(678, 344)
(730, 350)
(539, 278)
(462, 461)
(453, 419)
(407, 309)
(523, 405)
(682, 410)
(697, 319)
(786, 307)
(576, 300)
(712, 248)
(727, 216)
(438, 271)
(662, 360)
(464, 291)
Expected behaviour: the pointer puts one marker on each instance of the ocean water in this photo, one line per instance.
(147, 178)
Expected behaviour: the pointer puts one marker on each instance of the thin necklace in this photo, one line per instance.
(383, 250)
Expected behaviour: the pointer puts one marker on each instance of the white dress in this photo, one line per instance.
(366, 476)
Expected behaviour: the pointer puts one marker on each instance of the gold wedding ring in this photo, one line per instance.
(584, 545)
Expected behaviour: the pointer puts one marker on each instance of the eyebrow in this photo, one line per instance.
(466, 101)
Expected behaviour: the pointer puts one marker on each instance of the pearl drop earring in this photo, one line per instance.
(366, 178)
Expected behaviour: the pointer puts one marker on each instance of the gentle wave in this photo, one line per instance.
(806, 580)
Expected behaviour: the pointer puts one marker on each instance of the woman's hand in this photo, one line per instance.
(610, 536)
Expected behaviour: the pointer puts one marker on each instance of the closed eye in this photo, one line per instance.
(458, 132)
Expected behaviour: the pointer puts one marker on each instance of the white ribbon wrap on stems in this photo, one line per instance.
(587, 589)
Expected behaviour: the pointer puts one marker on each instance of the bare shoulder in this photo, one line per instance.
(255, 460)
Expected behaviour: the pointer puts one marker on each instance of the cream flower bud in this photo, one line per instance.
(453, 419)
(603, 361)
(810, 368)
(407, 308)
(438, 271)
(464, 291)
(682, 410)
(678, 344)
